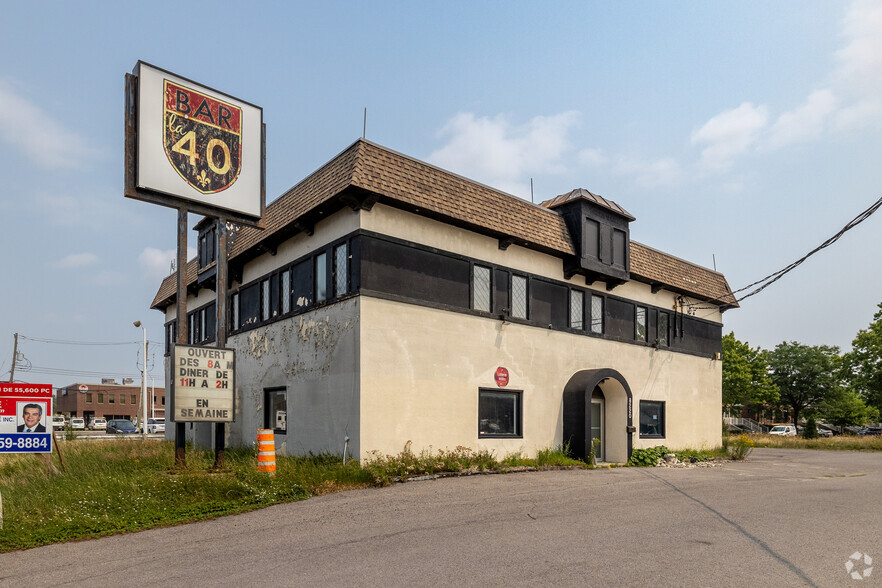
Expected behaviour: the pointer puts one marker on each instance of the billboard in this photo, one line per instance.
(192, 146)
(203, 380)
(25, 418)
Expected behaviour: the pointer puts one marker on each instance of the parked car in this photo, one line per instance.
(783, 430)
(78, 424)
(870, 431)
(98, 424)
(156, 425)
(824, 432)
(58, 423)
(120, 427)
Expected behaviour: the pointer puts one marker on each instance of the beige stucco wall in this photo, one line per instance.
(421, 369)
(412, 227)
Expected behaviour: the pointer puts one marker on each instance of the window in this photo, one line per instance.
(276, 410)
(619, 248)
(577, 303)
(652, 418)
(499, 413)
(321, 277)
(110, 399)
(481, 288)
(286, 291)
(134, 399)
(207, 247)
(89, 397)
(341, 269)
(592, 238)
(663, 329)
(519, 297)
(100, 398)
(122, 398)
(264, 300)
(596, 314)
(640, 324)
(235, 311)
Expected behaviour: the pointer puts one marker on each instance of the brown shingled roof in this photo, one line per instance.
(401, 180)
(583, 194)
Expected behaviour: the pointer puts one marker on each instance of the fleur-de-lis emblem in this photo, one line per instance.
(203, 180)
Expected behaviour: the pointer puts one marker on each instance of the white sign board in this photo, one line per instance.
(198, 144)
(204, 380)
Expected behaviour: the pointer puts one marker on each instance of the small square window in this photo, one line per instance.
(276, 409)
(652, 419)
(499, 413)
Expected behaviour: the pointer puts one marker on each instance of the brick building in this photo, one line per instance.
(110, 401)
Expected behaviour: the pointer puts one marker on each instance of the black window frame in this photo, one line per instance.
(320, 278)
(511, 296)
(663, 341)
(661, 405)
(340, 276)
(581, 295)
(518, 419)
(490, 290)
(638, 310)
(207, 245)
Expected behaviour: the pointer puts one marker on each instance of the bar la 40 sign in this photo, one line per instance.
(202, 138)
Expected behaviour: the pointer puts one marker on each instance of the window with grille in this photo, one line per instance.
(481, 288)
(519, 297)
(640, 324)
(596, 314)
(341, 269)
(286, 291)
(577, 303)
(264, 300)
(663, 329)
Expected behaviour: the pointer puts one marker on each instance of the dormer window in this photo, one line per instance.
(207, 246)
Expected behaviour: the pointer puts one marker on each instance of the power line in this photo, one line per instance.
(770, 279)
(63, 342)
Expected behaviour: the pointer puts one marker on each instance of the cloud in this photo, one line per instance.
(156, 264)
(649, 174)
(502, 154)
(729, 134)
(805, 122)
(46, 142)
(75, 260)
(592, 158)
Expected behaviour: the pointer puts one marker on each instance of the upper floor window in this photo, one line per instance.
(640, 324)
(519, 297)
(341, 269)
(321, 277)
(207, 246)
(577, 309)
(481, 288)
(592, 238)
(663, 329)
(619, 249)
(596, 314)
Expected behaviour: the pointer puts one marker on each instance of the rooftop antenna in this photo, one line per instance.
(531, 191)
(364, 127)
(715, 261)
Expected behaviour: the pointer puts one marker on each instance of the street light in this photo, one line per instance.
(143, 383)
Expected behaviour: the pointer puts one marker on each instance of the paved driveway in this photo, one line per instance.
(783, 518)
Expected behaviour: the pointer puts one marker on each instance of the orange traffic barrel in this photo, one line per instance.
(266, 451)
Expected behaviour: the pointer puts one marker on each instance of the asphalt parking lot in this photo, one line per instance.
(783, 518)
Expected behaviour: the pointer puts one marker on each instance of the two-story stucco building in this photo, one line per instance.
(389, 301)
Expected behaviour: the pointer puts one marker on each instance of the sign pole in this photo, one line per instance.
(180, 427)
(220, 428)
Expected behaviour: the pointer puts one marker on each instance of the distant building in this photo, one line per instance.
(389, 301)
(110, 401)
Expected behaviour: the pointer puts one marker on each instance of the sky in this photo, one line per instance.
(741, 135)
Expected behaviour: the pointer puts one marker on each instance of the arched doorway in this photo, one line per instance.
(605, 393)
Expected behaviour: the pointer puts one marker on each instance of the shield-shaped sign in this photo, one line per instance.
(202, 138)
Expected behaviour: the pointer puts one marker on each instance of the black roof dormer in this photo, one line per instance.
(601, 237)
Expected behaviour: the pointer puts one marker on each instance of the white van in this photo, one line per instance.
(58, 423)
(78, 424)
(783, 430)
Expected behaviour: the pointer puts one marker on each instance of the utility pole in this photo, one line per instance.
(14, 355)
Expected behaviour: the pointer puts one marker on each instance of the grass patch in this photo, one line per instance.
(837, 443)
(115, 487)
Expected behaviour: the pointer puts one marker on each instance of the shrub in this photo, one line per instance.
(742, 447)
(811, 428)
(647, 457)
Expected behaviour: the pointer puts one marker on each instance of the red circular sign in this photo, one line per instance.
(501, 376)
(83, 388)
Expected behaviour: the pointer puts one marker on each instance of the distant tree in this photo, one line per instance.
(805, 375)
(745, 374)
(811, 428)
(846, 408)
(862, 366)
